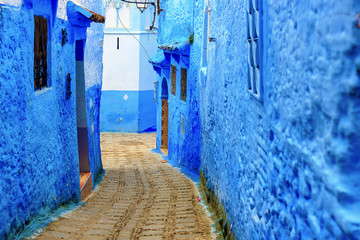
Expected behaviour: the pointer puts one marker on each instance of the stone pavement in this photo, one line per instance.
(139, 198)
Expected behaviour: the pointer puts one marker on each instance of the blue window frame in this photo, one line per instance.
(254, 42)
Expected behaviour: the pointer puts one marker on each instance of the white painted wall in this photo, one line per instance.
(147, 74)
(128, 68)
(121, 67)
(124, 16)
(111, 15)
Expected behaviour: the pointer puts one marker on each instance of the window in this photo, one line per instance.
(254, 45)
(183, 84)
(40, 53)
(173, 80)
(118, 43)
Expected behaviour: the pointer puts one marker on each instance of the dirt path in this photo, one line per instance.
(139, 198)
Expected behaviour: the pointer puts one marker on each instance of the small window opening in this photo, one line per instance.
(40, 53)
(254, 45)
(183, 84)
(173, 80)
(118, 43)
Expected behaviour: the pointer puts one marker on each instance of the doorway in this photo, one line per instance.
(82, 131)
(164, 117)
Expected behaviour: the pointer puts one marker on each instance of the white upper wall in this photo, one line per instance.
(117, 15)
(128, 68)
(121, 66)
(131, 17)
(147, 75)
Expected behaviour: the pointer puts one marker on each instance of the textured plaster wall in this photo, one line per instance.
(287, 167)
(93, 61)
(39, 162)
(178, 26)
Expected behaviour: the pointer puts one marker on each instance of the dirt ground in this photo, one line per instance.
(139, 198)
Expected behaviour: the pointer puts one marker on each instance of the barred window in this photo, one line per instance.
(254, 40)
(173, 80)
(183, 84)
(40, 53)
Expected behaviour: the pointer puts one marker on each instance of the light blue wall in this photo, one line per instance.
(147, 111)
(127, 111)
(39, 162)
(119, 111)
(286, 167)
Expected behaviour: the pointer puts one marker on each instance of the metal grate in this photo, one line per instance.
(254, 47)
(40, 52)
(173, 80)
(183, 84)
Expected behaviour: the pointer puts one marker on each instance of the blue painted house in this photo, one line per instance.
(177, 90)
(273, 102)
(50, 85)
(127, 102)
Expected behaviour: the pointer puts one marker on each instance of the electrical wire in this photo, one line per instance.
(134, 37)
(151, 27)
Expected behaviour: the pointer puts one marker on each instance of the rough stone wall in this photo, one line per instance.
(177, 26)
(39, 162)
(287, 167)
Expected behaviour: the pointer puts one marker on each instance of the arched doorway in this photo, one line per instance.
(164, 117)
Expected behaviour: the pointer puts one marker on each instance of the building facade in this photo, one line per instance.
(51, 58)
(177, 90)
(274, 102)
(127, 102)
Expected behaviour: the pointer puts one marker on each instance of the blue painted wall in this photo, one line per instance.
(178, 26)
(119, 111)
(39, 162)
(128, 80)
(286, 167)
(93, 63)
(127, 111)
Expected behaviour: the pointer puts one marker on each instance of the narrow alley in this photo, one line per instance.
(180, 119)
(139, 198)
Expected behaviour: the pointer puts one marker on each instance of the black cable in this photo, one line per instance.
(134, 37)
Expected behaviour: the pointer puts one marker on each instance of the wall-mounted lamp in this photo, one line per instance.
(64, 36)
(142, 5)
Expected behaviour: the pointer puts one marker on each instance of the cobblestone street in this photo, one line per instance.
(139, 198)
